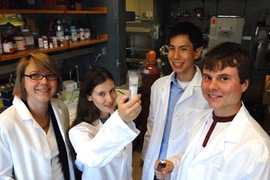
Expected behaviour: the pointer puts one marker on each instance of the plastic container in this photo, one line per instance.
(40, 42)
(87, 34)
(20, 42)
(45, 42)
(82, 34)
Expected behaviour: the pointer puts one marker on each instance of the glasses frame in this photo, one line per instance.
(49, 77)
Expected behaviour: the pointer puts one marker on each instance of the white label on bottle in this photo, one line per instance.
(82, 34)
(87, 33)
(40, 42)
(21, 45)
(29, 40)
(74, 35)
(60, 35)
(8, 47)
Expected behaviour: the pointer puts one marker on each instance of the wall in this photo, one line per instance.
(112, 24)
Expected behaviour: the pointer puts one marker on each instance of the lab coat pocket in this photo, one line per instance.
(213, 172)
(184, 119)
(206, 171)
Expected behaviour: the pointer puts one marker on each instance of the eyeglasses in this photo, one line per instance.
(37, 77)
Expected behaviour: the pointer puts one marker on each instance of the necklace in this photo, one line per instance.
(47, 125)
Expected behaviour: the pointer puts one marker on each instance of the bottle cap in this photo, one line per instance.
(151, 56)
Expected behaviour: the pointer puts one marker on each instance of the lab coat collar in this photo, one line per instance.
(195, 82)
(21, 108)
(239, 120)
(26, 115)
(231, 136)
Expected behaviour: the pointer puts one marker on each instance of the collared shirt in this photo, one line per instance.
(176, 92)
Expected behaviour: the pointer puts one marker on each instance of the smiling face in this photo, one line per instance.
(222, 90)
(182, 56)
(38, 90)
(104, 96)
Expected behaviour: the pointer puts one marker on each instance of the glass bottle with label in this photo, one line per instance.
(29, 38)
(52, 29)
(8, 44)
(59, 30)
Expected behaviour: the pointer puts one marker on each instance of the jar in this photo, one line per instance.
(40, 42)
(20, 42)
(87, 33)
(8, 44)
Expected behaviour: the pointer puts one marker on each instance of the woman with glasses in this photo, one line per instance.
(32, 130)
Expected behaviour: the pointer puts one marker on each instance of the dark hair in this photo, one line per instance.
(230, 54)
(86, 110)
(42, 62)
(187, 28)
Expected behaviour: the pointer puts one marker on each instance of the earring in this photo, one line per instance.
(89, 98)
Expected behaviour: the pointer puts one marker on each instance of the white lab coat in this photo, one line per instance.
(190, 104)
(24, 148)
(104, 151)
(242, 152)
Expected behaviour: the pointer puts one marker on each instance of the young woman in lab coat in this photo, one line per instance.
(226, 143)
(102, 138)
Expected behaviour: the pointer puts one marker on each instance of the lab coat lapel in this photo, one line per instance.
(195, 82)
(232, 135)
(58, 115)
(164, 96)
(213, 148)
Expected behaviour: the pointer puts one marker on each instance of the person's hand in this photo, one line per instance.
(162, 173)
(129, 110)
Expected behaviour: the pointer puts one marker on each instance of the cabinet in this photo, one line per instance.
(55, 10)
(107, 20)
(8, 62)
